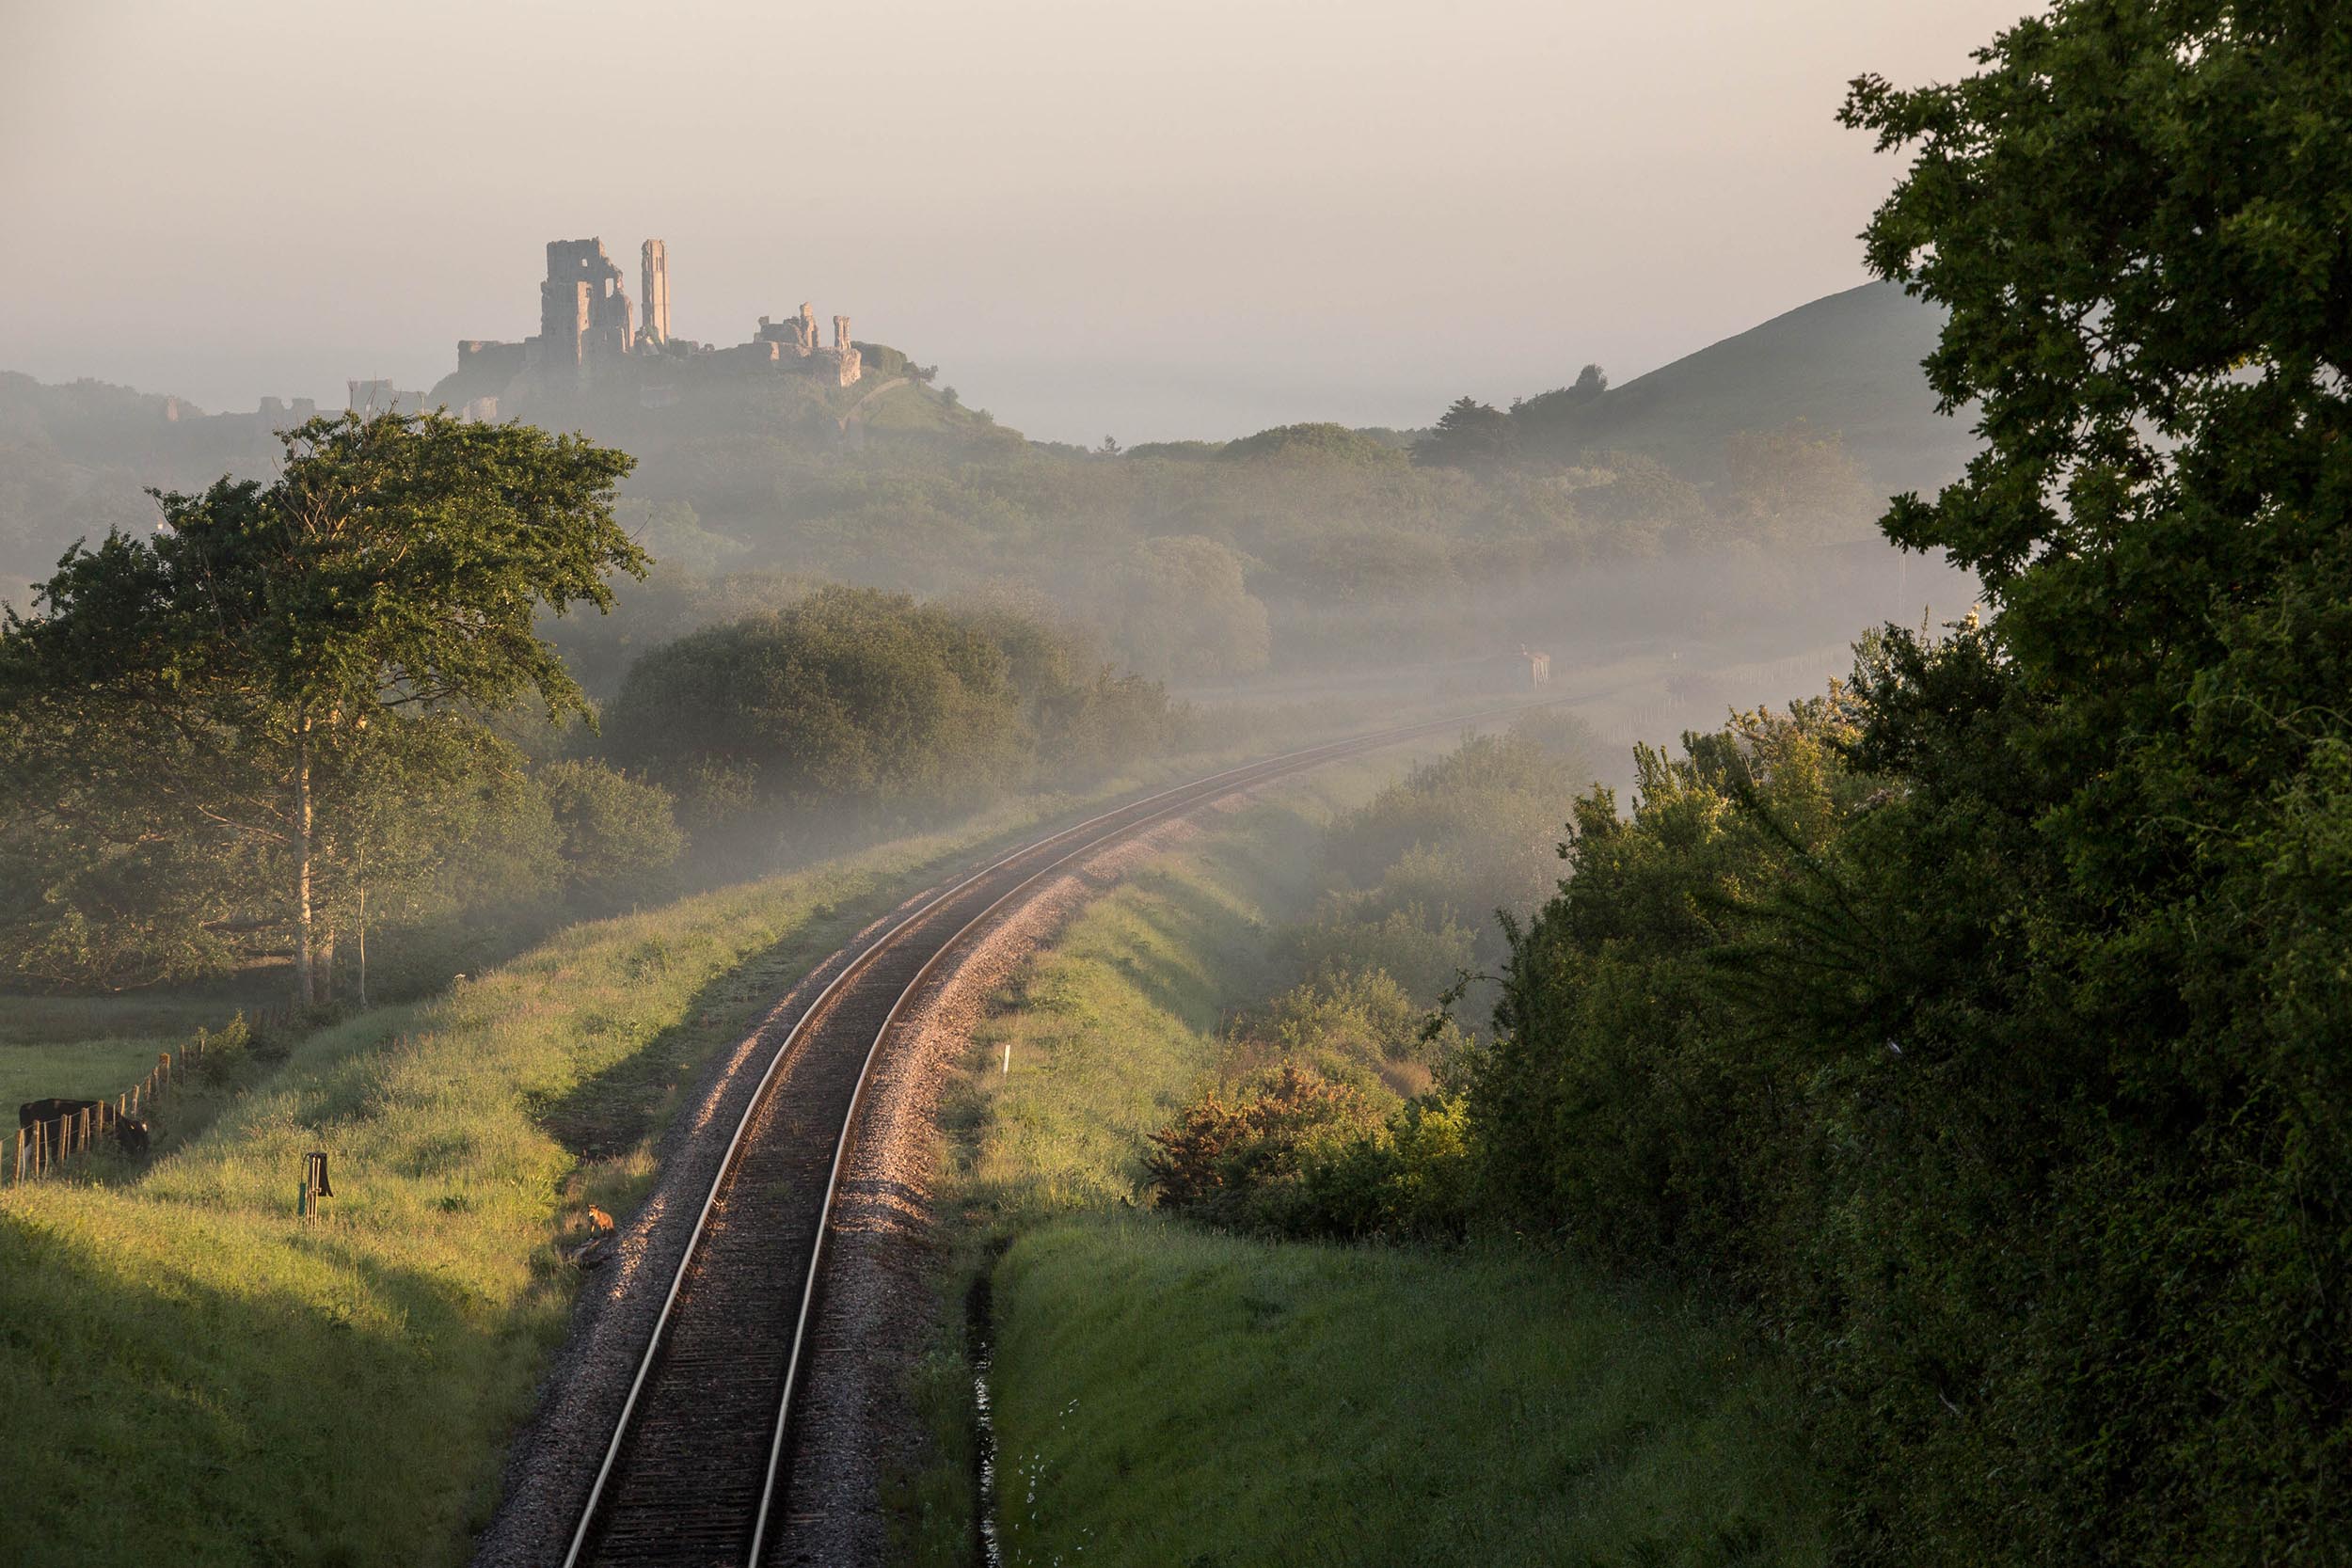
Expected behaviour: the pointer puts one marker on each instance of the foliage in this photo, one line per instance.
(1539, 421)
(1634, 1426)
(1424, 951)
(1465, 436)
(2156, 333)
(295, 654)
(1459, 837)
(1984, 1024)
(1330, 442)
(1795, 485)
(619, 836)
(1621, 1101)
(1239, 1162)
(877, 702)
(1411, 1179)
(1182, 610)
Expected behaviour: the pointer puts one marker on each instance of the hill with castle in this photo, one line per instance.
(611, 366)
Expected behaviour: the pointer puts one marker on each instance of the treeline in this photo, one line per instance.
(1307, 543)
(1984, 1024)
(313, 712)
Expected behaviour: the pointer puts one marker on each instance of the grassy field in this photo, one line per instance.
(188, 1375)
(1166, 1395)
(95, 1048)
(90, 1048)
(92, 1068)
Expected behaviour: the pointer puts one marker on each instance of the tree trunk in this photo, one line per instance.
(363, 943)
(305, 985)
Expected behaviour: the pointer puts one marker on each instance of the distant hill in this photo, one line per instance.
(75, 460)
(1848, 363)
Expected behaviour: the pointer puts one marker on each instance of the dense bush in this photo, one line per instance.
(1623, 1103)
(1988, 1027)
(618, 837)
(1427, 863)
(875, 702)
(1293, 1153)
(1242, 1161)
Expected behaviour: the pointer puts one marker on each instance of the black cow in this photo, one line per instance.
(130, 1132)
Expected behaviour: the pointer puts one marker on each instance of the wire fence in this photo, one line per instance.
(44, 1145)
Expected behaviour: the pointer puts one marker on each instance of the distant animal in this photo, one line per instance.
(599, 1242)
(130, 1133)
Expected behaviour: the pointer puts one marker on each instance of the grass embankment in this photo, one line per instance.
(188, 1375)
(1164, 1394)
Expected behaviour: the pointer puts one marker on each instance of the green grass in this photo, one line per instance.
(95, 1048)
(190, 1376)
(91, 1048)
(78, 1069)
(1167, 1395)
(1108, 1031)
(63, 1019)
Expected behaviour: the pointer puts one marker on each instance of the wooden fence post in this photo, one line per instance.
(40, 1146)
(18, 1164)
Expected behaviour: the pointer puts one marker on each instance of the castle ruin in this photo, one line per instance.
(591, 334)
(654, 259)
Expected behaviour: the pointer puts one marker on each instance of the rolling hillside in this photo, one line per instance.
(1849, 363)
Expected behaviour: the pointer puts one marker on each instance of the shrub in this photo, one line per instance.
(1240, 1162)
(618, 837)
(876, 702)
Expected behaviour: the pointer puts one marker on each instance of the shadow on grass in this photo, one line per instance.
(313, 1406)
(630, 1100)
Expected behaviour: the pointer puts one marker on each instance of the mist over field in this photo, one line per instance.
(958, 781)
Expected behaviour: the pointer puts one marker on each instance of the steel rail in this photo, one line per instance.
(1147, 811)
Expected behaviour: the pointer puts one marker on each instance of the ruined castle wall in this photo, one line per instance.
(655, 266)
(485, 359)
(564, 317)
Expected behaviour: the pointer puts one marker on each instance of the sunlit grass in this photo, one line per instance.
(1167, 1395)
(77, 1069)
(189, 1376)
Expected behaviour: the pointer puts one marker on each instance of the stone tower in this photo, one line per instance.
(583, 311)
(841, 332)
(656, 258)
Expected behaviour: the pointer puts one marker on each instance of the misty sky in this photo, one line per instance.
(1153, 219)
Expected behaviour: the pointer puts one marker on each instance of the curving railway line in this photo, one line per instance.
(697, 1468)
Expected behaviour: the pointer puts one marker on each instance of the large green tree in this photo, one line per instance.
(2115, 1282)
(281, 658)
(2012, 1076)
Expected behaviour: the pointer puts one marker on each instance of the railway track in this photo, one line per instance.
(697, 1465)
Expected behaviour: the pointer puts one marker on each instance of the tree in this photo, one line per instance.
(849, 696)
(1796, 484)
(2141, 1269)
(617, 833)
(285, 636)
(1468, 435)
(1182, 609)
